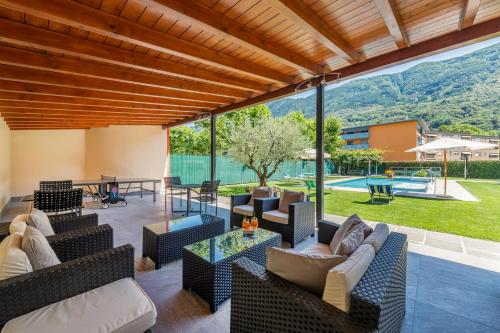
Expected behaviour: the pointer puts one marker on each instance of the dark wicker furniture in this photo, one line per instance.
(238, 200)
(206, 267)
(61, 223)
(264, 302)
(163, 242)
(301, 219)
(208, 193)
(55, 185)
(88, 261)
(59, 201)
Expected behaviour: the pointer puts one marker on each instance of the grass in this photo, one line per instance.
(471, 219)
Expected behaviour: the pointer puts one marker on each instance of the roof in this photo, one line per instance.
(92, 63)
(419, 121)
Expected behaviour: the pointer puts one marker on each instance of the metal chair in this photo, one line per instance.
(208, 191)
(55, 185)
(171, 190)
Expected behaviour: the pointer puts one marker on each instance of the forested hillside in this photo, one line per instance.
(465, 89)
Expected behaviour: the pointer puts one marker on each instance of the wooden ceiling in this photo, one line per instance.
(95, 63)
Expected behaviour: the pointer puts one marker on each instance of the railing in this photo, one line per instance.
(360, 146)
(351, 136)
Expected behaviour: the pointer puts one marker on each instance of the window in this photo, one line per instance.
(349, 143)
(455, 153)
(493, 155)
(365, 142)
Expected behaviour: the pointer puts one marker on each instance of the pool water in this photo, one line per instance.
(402, 184)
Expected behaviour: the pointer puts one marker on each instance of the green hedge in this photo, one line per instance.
(476, 169)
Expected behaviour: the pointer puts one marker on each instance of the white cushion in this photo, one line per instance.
(378, 236)
(118, 307)
(18, 224)
(38, 219)
(341, 280)
(38, 249)
(317, 249)
(275, 216)
(13, 260)
(246, 210)
(306, 271)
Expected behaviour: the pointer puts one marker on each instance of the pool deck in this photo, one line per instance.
(454, 190)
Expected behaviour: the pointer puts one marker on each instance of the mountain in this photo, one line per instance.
(465, 89)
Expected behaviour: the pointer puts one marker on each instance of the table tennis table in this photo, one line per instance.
(100, 185)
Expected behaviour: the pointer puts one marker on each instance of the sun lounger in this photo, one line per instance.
(386, 190)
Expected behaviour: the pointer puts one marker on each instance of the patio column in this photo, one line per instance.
(320, 150)
(213, 146)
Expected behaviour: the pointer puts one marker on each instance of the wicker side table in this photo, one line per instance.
(163, 242)
(206, 267)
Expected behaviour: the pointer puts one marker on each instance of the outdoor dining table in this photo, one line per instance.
(188, 188)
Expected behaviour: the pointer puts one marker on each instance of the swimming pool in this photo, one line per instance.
(402, 184)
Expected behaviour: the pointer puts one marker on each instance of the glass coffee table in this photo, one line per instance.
(206, 265)
(163, 242)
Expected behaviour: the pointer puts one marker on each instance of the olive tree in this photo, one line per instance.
(265, 146)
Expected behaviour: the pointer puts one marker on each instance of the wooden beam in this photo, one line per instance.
(47, 128)
(29, 75)
(89, 104)
(478, 32)
(25, 35)
(390, 14)
(42, 89)
(305, 18)
(36, 60)
(469, 13)
(62, 121)
(221, 25)
(50, 115)
(84, 17)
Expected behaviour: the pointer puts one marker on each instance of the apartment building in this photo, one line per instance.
(456, 155)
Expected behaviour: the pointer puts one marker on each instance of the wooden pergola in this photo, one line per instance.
(94, 63)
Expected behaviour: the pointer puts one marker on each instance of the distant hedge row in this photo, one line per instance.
(476, 169)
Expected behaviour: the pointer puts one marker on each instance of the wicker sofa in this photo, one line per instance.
(301, 219)
(264, 302)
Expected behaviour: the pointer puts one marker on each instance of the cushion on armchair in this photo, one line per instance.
(38, 219)
(38, 249)
(341, 280)
(305, 270)
(378, 236)
(275, 216)
(246, 210)
(349, 225)
(13, 260)
(317, 249)
(351, 242)
(18, 224)
(289, 197)
(261, 192)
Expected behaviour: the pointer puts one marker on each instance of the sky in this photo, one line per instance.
(402, 67)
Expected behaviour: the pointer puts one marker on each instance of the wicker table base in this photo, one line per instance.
(206, 267)
(163, 242)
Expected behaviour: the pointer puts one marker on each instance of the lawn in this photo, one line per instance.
(472, 219)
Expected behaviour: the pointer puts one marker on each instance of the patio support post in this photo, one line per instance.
(320, 150)
(213, 146)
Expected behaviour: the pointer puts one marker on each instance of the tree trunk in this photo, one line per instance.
(262, 180)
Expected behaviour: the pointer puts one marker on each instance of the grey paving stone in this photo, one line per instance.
(444, 241)
(414, 234)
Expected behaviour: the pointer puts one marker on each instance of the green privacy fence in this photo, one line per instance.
(196, 168)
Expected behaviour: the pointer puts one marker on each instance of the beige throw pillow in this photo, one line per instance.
(289, 197)
(352, 222)
(378, 236)
(13, 260)
(18, 224)
(261, 192)
(305, 270)
(352, 241)
(38, 249)
(38, 219)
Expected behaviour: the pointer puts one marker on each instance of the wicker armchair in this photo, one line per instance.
(59, 200)
(238, 200)
(55, 185)
(88, 262)
(301, 219)
(276, 305)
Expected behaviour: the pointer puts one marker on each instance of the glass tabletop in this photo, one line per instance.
(180, 224)
(223, 246)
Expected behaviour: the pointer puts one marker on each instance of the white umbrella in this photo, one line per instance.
(445, 144)
(309, 154)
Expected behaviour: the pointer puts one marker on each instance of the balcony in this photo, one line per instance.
(352, 136)
(354, 147)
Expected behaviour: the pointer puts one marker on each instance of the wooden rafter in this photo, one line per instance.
(25, 35)
(390, 14)
(304, 17)
(81, 16)
(30, 59)
(221, 25)
(29, 75)
(469, 13)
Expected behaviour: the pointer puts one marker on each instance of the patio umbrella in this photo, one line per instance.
(309, 154)
(445, 144)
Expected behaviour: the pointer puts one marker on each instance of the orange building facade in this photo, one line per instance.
(393, 139)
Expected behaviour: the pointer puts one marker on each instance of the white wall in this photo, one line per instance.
(126, 151)
(45, 155)
(5, 164)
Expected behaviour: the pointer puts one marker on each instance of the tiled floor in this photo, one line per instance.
(442, 295)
